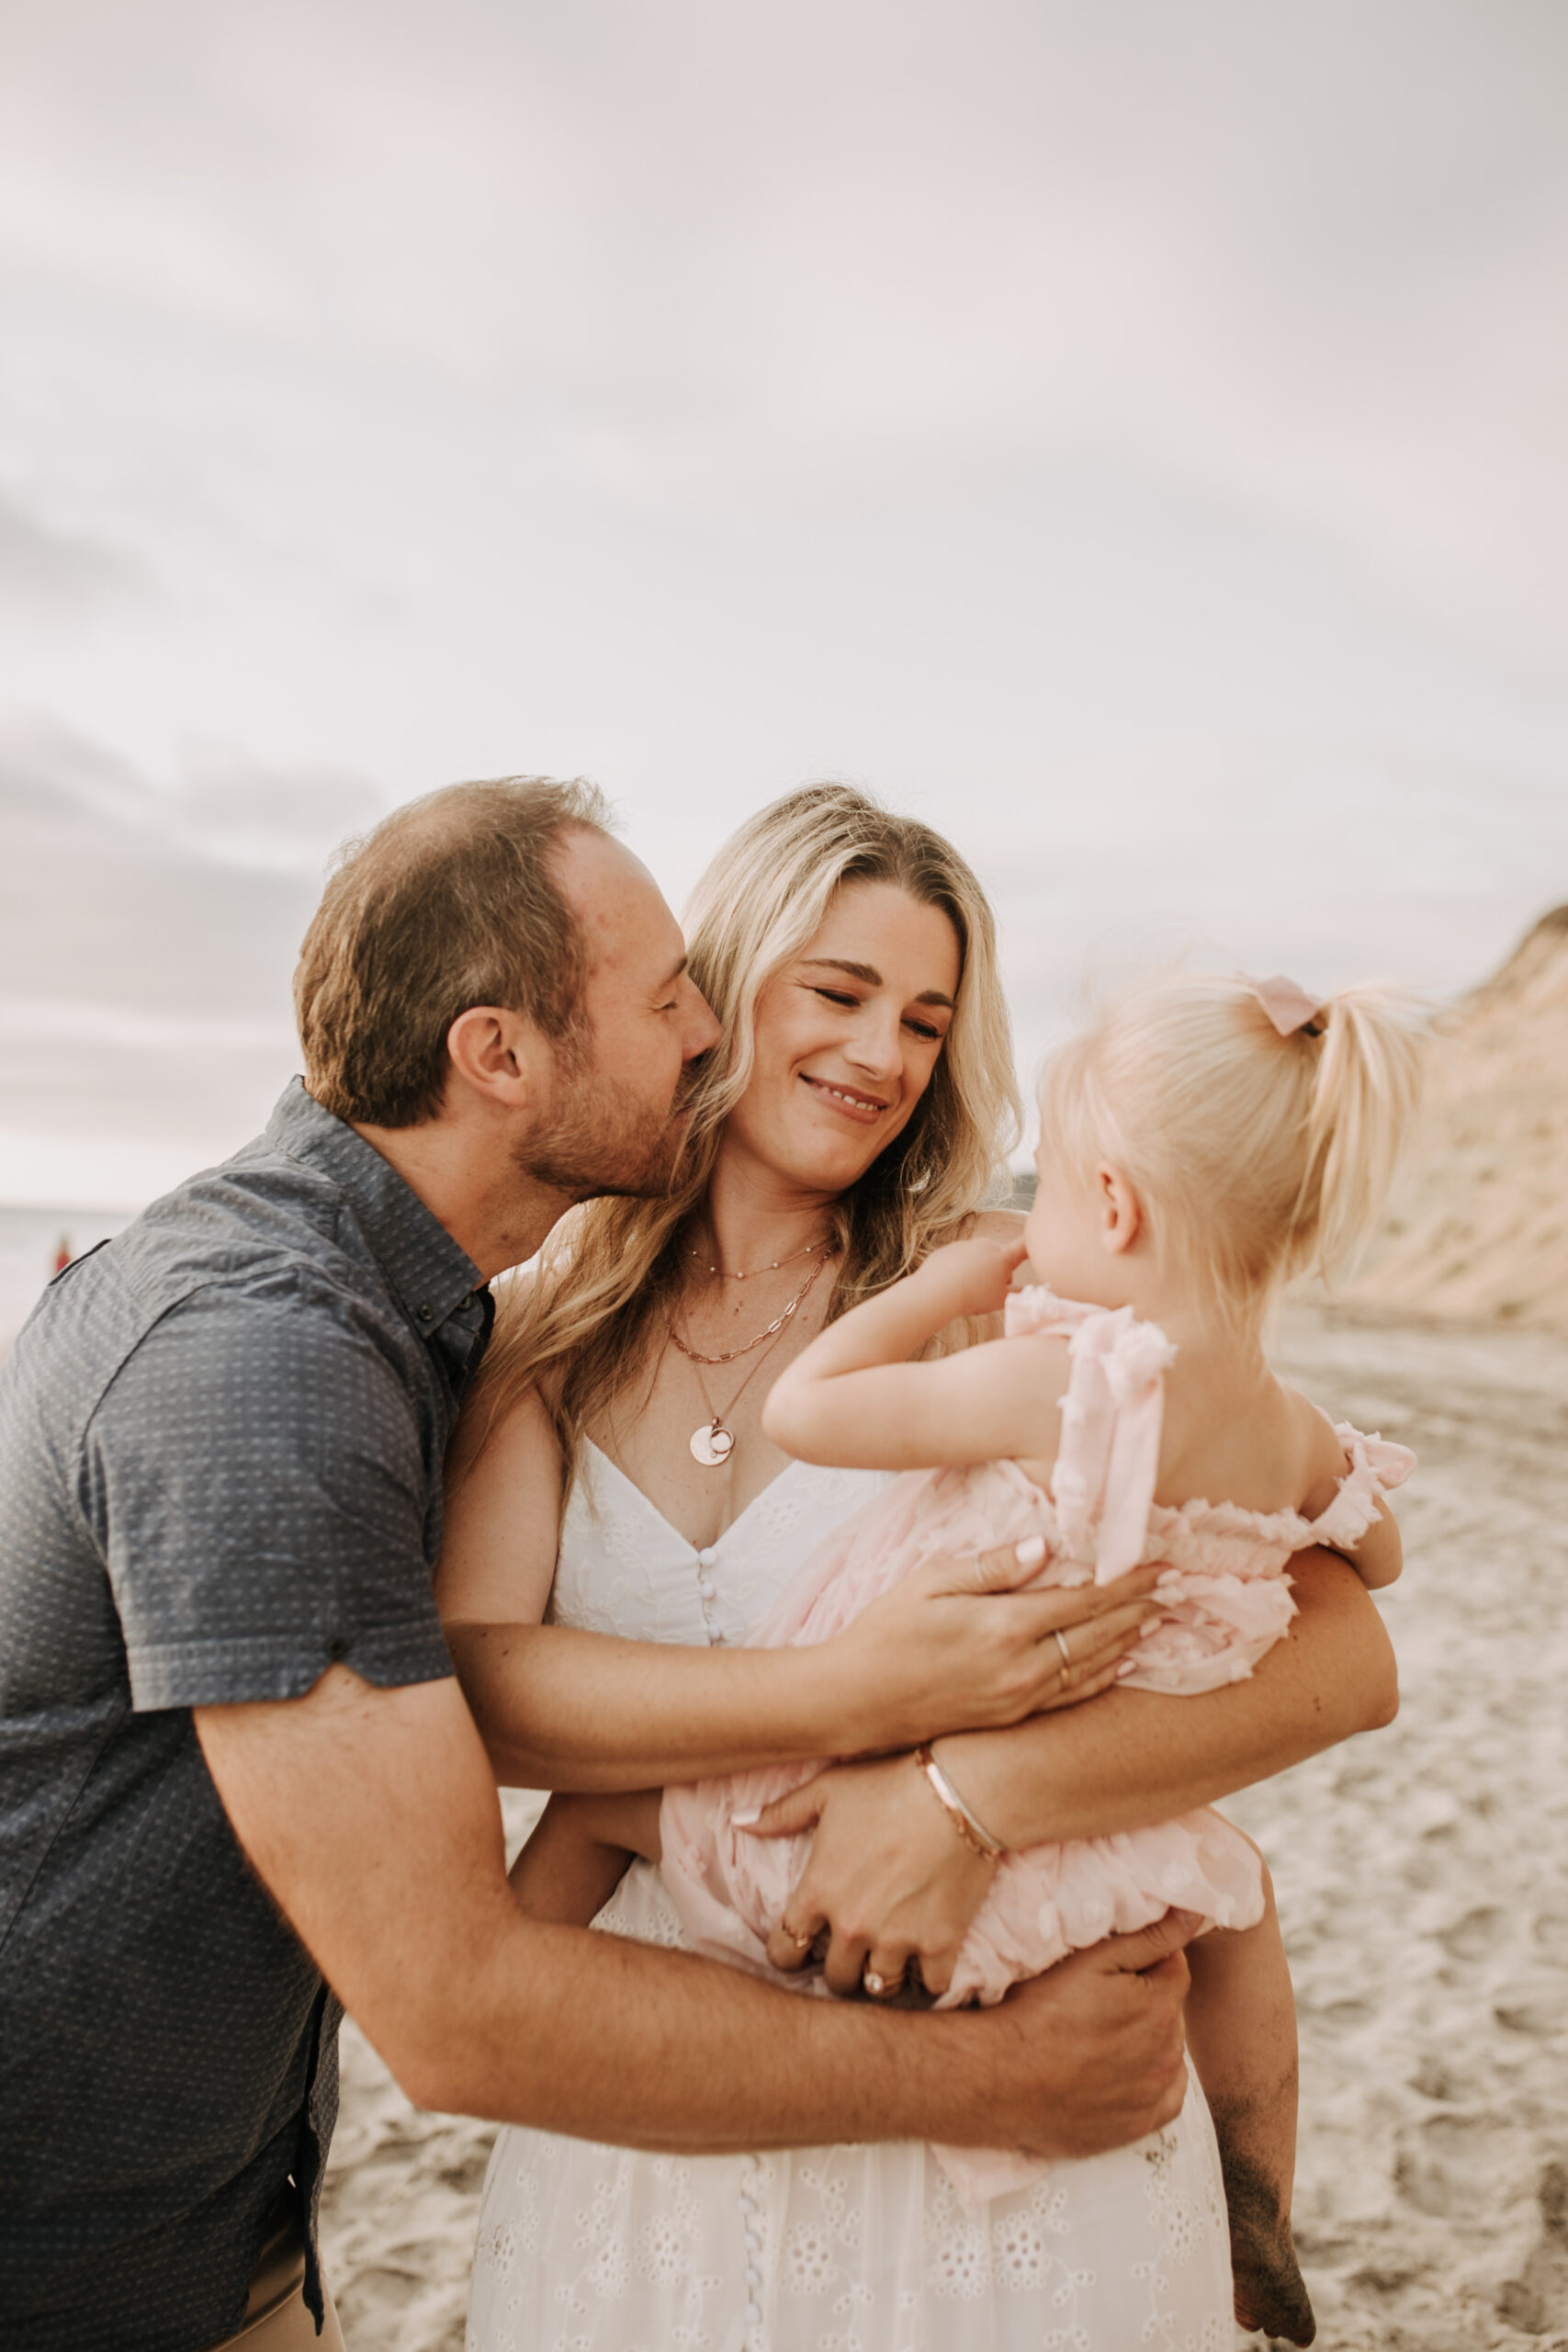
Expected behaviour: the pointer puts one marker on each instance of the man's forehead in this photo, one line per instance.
(617, 901)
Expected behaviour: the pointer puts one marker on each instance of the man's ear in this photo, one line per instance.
(501, 1056)
(1120, 1210)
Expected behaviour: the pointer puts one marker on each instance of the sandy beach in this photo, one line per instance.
(1423, 1880)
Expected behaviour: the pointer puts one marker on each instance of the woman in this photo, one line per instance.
(852, 1116)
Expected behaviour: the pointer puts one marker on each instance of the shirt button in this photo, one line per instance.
(425, 1313)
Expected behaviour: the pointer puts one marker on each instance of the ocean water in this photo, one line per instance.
(31, 1240)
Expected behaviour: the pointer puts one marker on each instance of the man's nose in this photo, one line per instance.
(702, 1027)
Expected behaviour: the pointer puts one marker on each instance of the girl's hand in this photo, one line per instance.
(973, 1277)
(889, 1878)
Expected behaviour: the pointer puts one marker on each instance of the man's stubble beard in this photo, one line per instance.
(605, 1139)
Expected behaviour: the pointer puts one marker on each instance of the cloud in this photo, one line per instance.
(42, 566)
(1125, 434)
(144, 983)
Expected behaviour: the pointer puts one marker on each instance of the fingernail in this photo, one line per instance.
(1031, 1552)
(1125, 1666)
(1147, 1626)
(746, 1820)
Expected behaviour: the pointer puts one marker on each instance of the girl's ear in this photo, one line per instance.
(1121, 1210)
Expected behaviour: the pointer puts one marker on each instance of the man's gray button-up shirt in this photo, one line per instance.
(222, 1439)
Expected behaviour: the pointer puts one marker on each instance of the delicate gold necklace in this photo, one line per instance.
(726, 1276)
(715, 1444)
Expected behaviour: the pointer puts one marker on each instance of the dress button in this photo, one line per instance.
(754, 2311)
(753, 2278)
(704, 1586)
(749, 2238)
(708, 1555)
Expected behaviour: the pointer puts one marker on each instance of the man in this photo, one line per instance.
(235, 1768)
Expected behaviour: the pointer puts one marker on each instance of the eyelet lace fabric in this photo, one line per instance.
(587, 2248)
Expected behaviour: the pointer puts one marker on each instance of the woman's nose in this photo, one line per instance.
(877, 1045)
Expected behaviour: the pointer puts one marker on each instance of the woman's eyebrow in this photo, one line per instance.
(871, 977)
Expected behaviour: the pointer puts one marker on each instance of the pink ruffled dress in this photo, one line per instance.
(1224, 1600)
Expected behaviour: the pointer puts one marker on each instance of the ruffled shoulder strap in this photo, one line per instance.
(1035, 1313)
(1374, 1466)
(1108, 1457)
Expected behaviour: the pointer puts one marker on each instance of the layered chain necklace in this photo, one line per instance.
(715, 1442)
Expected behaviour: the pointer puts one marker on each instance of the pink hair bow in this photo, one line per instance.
(1289, 1007)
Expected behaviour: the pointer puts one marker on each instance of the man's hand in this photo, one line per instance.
(1094, 2058)
(956, 1647)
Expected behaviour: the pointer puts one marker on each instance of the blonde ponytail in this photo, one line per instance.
(1257, 1155)
(1365, 1098)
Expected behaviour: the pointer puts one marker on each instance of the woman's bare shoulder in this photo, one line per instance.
(505, 1431)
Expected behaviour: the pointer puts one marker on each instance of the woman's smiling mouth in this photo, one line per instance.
(864, 1108)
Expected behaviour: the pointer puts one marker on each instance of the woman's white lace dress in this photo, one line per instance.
(583, 2248)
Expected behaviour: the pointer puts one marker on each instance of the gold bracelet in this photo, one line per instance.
(974, 1833)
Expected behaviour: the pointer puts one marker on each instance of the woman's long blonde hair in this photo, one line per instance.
(582, 1325)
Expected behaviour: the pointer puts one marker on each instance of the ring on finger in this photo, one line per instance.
(801, 1943)
(878, 1986)
(1067, 1654)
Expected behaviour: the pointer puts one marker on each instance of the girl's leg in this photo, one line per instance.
(1241, 2032)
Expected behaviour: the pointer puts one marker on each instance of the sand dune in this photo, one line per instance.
(1481, 1227)
(1423, 1878)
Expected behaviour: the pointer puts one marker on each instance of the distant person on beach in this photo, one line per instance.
(614, 1478)
(238, 1782)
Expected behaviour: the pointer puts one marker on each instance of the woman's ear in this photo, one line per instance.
(1121, 1210)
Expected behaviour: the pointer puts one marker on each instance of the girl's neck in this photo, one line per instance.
(1201, 1334)
(753, 1217)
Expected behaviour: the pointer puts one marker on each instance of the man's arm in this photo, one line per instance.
(370, 1815)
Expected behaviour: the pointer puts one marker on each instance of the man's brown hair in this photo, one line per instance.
(452, 901)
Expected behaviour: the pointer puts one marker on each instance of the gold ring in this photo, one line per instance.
(1067, 1654)
(801, 1943)
(876, 1986)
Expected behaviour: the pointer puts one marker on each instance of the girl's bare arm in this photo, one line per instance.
(578, 1852)
(1378, 1557)
(854, 1398)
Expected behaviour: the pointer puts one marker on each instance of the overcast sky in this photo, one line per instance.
(1131, 437)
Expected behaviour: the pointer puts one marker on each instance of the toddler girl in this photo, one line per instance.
(1202, 1142)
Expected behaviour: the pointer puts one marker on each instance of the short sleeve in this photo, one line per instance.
(263, 1495)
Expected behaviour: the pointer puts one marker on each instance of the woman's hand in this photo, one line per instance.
(889, 1879)
(954, 1648)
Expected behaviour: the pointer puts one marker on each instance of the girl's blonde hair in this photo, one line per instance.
(584, 1323)
(1256, 1156)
